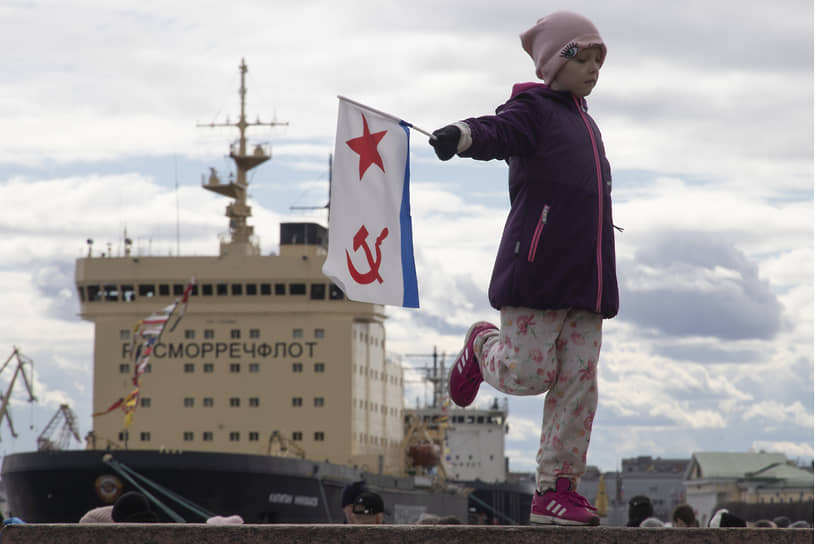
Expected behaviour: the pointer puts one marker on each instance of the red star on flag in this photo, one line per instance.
(365, 147)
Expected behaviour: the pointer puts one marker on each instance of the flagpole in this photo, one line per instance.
(388, 115)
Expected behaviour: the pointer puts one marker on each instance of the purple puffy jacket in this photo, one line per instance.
(557, 248)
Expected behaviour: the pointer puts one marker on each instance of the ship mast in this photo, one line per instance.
(241, 240)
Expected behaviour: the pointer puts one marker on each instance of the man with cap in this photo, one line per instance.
(368, 509)
(349, 494)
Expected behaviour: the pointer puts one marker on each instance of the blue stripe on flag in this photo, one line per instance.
(410, 297)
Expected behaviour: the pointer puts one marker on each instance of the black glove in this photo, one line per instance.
(445, 142)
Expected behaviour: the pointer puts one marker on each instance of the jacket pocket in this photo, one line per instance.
(536, 236)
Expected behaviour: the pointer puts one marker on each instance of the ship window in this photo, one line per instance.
(188, 436)
(124, 334)
(319, 367)
(480, 419)
(254, 333)
(254, 436)
(297, 401)
(163, 290)
(209, 402)
(234, 436)
(237, 289)
(207, 436)
(279, 288)
(128, 293)
(254, 367)
(234, 402)
(144, 402)
(189, 402)
(235, 367)
(124, 368)
(297, 333)
(319, 333)
(124, 435)
(297, 288)
(145, 436)
(209, 333)
(209, 368)
(319, 436)
(94, 293)
(317, 291)
(335, 293)
(235, 333)
(189, 367)
(81, 291)
(251, 289)
(111, 293)
(189, 334)
(319, 401)
(178, 289)
(254, 402)
(148, 368)
(297, 367)
(194, 290)
(221, 289)
(296, 435)
(265, 289)
(147, 290)
(206, 290)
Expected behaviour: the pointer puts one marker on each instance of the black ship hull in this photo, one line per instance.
(61, 486)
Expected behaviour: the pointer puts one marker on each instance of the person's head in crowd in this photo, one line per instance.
(368, 509)
(800, 524)
(349, 494)
(133, 507)
(764, 524)
(639, 508)
(100, 514)
(683, 516)
(782, 522)
(729, 520)
(652, 522)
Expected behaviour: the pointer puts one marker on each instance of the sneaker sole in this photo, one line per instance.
(552, 520)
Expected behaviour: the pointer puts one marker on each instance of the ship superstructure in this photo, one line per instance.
(268, 348)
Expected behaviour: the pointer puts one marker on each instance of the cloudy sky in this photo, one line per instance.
(706, 110)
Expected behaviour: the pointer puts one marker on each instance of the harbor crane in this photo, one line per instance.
(21, 361)
(68, 429)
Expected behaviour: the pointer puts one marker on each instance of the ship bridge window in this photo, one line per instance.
(124, 334)
(234, 436)
(209, 333)
(111, 293)
(251, 289)
(221, 289)
(81, 291)
(235, 333)
(319, 436)
(317, 291)
(144, 402)
(279, 288)
(147, 290)
(265, 289)
(94, 293)
(144, 437)
(163, 290)
(297, 401)
(254, 402)
(209, 368)
(189, 334)
(319, 401)
(319, 367)
(124, 368)
(254, 436)
(123, 436)
(297, 288)
(189, 402)
(237, 289)
(234, 367)
(128, 293)
(189, 436)
(206, 290)
(207, 436)
(297, 333)
(254, 333)
(297, 367)
(254, 367)
(234, 402)
(297, 435)
(178, 289)
(319, 333)
(335, 293)
(209, 402)
(189, 367)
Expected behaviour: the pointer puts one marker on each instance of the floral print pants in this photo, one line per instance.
(553, 352)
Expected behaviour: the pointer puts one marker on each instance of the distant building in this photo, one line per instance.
(716, 478)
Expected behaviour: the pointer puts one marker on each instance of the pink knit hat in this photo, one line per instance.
(556, 38)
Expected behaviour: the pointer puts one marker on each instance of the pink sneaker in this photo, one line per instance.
(465, 376)
(562, 506)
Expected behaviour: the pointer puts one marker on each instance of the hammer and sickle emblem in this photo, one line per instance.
(361, 240)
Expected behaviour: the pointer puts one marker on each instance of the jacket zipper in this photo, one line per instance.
(598, 170)
(533, 248)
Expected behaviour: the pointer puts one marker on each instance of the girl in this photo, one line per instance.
(554, 278)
